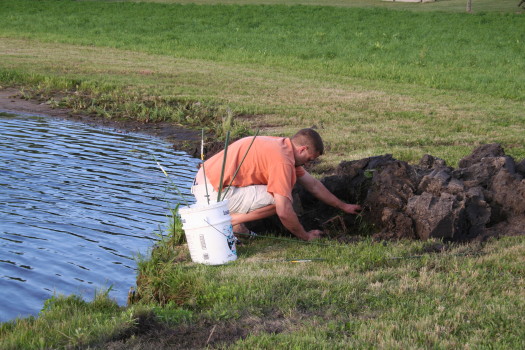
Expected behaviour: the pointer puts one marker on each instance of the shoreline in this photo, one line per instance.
(182, 139)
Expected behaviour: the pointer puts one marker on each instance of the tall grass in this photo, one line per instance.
(481, 53)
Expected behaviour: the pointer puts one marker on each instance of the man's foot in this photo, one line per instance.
(241, 231)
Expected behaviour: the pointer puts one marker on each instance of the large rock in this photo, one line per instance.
(508, 191)
(436, 216)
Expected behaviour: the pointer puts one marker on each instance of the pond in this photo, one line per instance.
(78, 204)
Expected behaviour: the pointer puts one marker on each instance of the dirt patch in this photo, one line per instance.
(484, 197)
(183, 139)
(200, 335)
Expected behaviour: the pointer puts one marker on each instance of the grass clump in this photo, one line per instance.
(71, 322)
(118, 103)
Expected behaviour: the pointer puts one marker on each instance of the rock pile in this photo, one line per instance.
(484, 196)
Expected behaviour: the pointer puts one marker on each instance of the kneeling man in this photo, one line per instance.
(263, 184)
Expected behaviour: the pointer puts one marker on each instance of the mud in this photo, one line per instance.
(483, 197)
(153, 334)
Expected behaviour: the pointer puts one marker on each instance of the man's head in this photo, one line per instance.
(308, 146)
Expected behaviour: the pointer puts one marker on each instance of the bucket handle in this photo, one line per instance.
(206, 221)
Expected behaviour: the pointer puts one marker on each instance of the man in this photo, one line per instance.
(263, 184)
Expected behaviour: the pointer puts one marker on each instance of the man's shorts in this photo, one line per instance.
(240, 199)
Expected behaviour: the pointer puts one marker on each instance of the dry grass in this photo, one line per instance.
(357, 118)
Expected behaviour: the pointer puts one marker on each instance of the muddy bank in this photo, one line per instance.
(483, 197)
(183, 139)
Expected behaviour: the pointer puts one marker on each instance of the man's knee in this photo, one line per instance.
(248, 199)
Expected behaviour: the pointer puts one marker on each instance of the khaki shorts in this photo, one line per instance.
(240, 199)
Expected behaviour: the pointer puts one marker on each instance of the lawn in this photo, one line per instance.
(373, 77)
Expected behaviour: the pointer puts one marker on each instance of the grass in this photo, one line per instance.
(71, 322)
(425, 78)
(504, 6)
(374, 81)
(365, 295)
(366, 43)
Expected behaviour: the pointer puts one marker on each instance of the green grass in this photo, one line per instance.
(481, 53)
(374, 81)
(364, 295)
(425, 78)
(503, 6)
(71, 322)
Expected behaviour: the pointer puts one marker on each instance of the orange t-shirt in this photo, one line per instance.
(270, 161)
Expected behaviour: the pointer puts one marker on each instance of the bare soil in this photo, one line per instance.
(149, 333)
(483, 197)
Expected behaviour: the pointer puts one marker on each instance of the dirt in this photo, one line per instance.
(483, 197)
(150, 333)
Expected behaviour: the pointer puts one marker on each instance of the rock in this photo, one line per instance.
(478, 215)
(438, 181)
(392, 185)
(508, 191)
(482, 172)
(395, 224)
(431, 162)
(520, 168)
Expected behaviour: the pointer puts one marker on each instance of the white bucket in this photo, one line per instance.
(209, 233)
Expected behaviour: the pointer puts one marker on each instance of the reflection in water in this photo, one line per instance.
(77, 204)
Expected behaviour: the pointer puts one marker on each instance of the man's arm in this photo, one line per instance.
(284, 209)
(316, 188)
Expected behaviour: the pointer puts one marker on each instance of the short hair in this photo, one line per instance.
(310, 138)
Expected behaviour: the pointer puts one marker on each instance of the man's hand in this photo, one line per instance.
(311, 235)
(351, 208)
(285, 212)
(319, 191)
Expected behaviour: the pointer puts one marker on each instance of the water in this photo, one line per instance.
(77, 205)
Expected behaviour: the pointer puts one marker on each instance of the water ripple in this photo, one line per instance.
(77, 204)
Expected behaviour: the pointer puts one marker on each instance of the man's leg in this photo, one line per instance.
(245, 203)
(238, 219)
(261, 213)
(248, 204)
